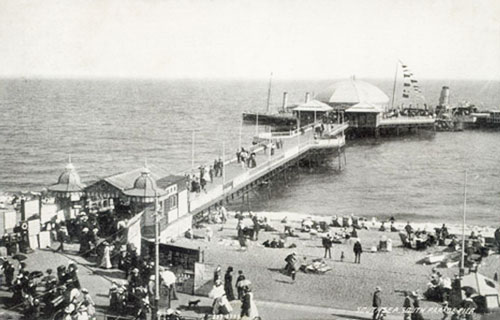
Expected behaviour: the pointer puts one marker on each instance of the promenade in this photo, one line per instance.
(98, 281)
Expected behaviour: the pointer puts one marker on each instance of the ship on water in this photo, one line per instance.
(463, 115)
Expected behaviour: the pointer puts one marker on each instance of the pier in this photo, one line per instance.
(297, 145)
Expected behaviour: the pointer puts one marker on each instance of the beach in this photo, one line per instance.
(347, 286)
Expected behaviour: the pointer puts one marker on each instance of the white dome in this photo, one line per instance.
(352, 91)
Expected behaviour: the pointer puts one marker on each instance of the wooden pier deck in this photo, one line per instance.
(296, 144)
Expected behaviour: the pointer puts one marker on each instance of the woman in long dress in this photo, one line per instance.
(220, 303)
(248, 307)
(88, 302)
(106, 258)
(228, 284)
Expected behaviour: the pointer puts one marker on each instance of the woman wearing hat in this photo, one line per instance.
(106, 258)
(220, 303)
(248, 307)
(88, 302)
(228, 284)
(69, 311)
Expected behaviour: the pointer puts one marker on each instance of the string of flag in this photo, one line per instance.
(409, 82)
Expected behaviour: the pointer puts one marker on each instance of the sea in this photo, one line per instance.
(113, 125)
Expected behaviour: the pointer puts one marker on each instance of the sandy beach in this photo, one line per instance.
(347, 286)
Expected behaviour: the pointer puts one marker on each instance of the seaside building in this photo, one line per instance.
(359, 102)
(347, 93)
(127, 194)
(310, 111)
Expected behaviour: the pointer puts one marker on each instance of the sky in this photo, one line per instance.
(294, 39)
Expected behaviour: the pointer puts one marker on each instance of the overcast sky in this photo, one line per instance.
(249, 39)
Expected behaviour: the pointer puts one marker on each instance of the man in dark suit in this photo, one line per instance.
(357, 251)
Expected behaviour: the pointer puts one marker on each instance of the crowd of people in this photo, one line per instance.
(198, 182)
(135, 296)
(222, 294)
(35, 293)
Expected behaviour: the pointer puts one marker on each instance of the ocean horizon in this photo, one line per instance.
(112, 125)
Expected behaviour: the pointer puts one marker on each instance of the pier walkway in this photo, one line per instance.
(296, 144)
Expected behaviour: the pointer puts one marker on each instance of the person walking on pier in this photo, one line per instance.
(203, 183)
(358, 249)
(216, 168)
(243, 158)
(211, 173)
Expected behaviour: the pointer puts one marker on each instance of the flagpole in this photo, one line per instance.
(241, 127)
(223, 164)
(269, 92)
(462, 269)
(192, 151)
(257, 124)
(394, 86)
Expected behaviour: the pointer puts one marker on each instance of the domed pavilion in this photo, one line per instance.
(344, 94)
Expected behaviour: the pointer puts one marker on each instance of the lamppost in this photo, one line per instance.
(157, 257)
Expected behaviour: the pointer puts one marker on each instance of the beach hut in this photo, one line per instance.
(346, 221)
(486, 291)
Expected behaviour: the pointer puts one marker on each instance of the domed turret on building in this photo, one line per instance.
(145, 182)
(347, 93)
(145, 187)
(69, 182)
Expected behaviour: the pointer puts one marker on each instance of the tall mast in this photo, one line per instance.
(269, 92)
(394, 86)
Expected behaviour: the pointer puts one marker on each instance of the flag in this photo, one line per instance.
(406, 75)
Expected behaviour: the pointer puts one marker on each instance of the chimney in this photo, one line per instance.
(285, 100)
(444, 99)
(307, 97)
